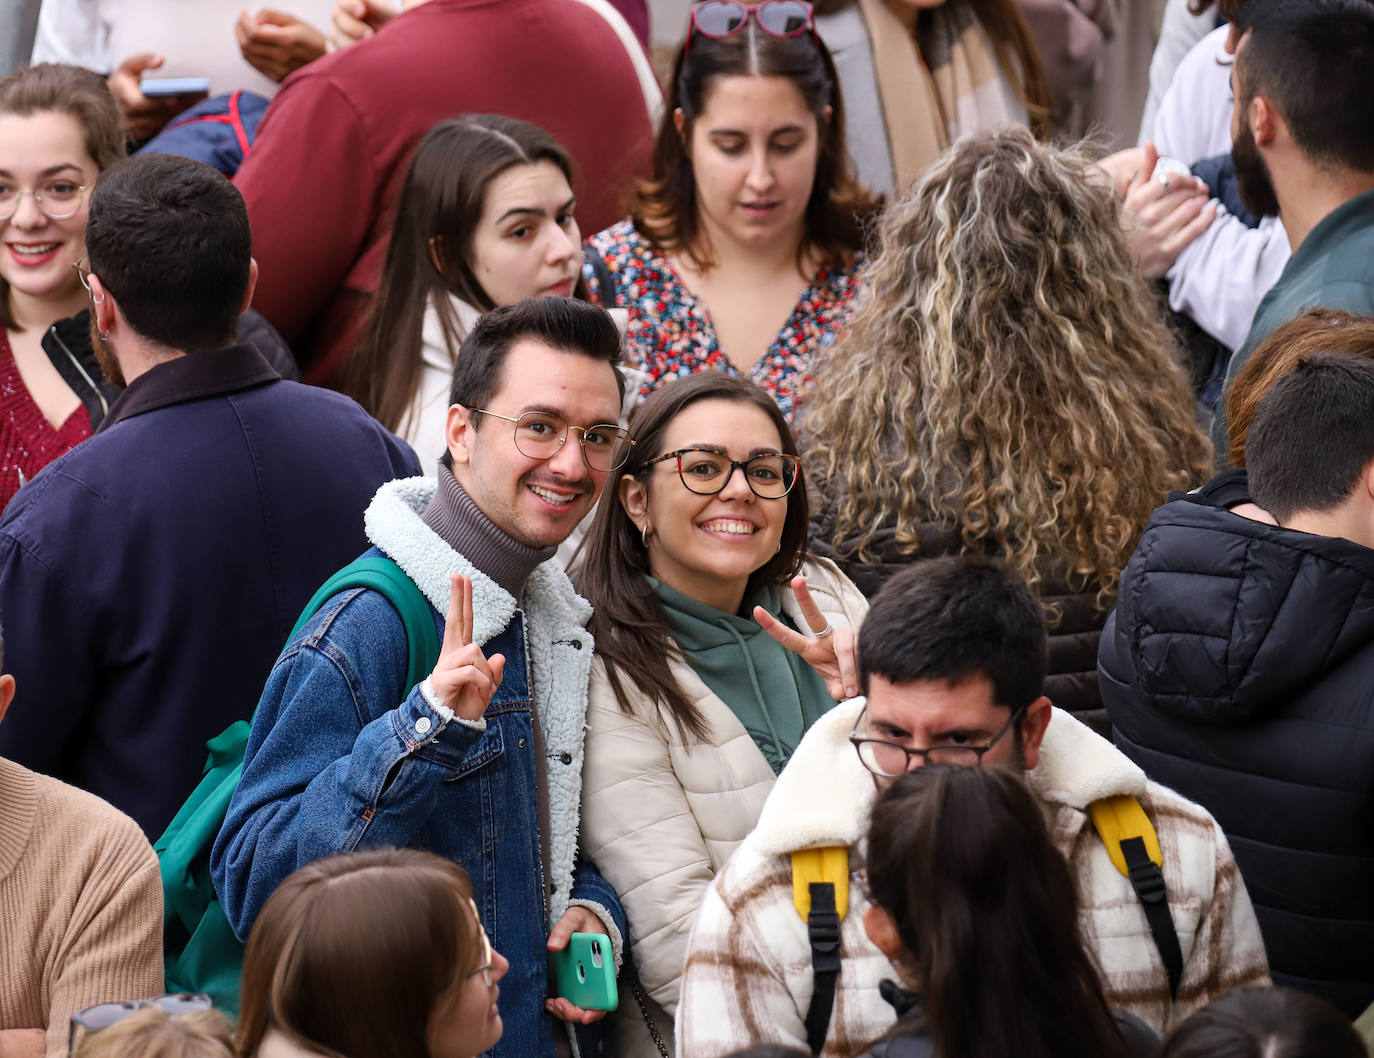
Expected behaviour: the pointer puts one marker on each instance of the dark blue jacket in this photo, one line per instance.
(1238, 669)
(149, 577)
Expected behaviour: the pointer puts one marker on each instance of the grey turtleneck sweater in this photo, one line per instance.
(454, 515)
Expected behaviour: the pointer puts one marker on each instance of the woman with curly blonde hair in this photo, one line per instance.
(1008, 387)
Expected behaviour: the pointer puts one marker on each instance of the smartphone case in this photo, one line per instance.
(584, 972)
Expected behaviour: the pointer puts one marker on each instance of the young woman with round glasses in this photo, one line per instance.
(371, 955)
(741, 254)
(701, 686)
(59, 127)
(485, 218)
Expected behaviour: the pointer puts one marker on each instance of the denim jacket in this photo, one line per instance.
(333, 764)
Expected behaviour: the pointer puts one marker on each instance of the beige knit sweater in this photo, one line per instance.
(80, 905)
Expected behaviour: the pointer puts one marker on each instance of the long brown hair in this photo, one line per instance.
(1009, 377)
(352, 954)
(427, 259)
(1317, 331)
(78, 93)
(628, 622)
(984, 905)
(1015, 51)
(664, 208)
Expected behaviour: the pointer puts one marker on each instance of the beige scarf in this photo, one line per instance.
(936, 85)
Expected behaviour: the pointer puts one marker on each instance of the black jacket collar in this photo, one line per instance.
(191, 377)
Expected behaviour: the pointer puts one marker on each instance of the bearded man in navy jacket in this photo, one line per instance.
(149, 577)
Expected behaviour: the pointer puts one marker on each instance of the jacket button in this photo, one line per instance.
(422, 726)
(521, 743)
(577, 644)
(565, 757)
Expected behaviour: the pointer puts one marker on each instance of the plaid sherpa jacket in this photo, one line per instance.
(747, 978)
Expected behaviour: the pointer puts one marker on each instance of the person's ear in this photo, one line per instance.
(6, 694)
(827, 114)
(102, 305)
(252, 285)
(680, 123)
(634, 498)
(882, 931)
(436, 257)
(1264, 121)
(460, 434)
(1033, 726)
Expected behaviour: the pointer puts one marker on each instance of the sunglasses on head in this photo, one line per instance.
(724, 18)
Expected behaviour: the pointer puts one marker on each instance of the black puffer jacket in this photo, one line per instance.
(1076, 619)
(1238, 669)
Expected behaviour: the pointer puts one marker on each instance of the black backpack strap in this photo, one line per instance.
(1148, 882)
(823, 930)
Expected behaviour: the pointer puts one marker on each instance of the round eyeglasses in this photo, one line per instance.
(540, 434)
(770, 476)
(58, 199)
(891, 759)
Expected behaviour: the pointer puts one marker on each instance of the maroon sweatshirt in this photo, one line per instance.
(331, 153)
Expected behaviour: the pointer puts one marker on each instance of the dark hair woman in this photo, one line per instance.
(976, 910)
(1265, 1023)
(59, 129)
(697, 696)
(918, 74)
(485, 218)
(741, 254)
(370, 955)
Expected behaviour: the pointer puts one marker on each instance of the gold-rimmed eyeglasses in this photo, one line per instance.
(57, 200)
(540, 434)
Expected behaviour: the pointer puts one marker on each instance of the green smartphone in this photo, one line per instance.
(584, 972)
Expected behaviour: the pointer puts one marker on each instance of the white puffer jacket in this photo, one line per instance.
(660, 817)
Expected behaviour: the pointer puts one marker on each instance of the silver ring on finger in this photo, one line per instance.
(826, 632)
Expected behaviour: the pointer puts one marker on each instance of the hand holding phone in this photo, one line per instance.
(584, 972)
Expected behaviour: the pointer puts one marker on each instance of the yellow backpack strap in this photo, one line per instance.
(1133, 846)
(820, 893)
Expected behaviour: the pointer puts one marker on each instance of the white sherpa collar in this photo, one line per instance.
(394, 524)
(824, 795)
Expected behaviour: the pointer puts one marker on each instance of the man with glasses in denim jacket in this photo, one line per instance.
(481, 761)
(952, 660)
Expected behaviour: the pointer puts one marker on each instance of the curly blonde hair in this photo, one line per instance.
(1009, 376)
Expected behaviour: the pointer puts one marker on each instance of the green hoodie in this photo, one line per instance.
(736, 659)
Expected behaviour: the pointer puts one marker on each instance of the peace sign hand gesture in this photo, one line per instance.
(829, 650)
(464, 679)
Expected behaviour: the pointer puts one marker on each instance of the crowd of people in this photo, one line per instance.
(502, 555)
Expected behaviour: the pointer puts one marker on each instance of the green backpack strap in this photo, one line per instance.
(201, 952)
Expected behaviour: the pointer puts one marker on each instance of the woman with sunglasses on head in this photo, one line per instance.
(1034, 408)
(701, 686)
(918, 74)
(979, 915)
(59, 127)
(485, 218)
(371, 955)
(741, 254)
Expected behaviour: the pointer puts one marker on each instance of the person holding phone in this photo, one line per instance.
(742, 253)
(395, 928)
(719, 643)
(59, 128)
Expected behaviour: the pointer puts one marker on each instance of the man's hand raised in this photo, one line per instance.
(464, 678)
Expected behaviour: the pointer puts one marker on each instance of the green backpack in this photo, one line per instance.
(201, 952)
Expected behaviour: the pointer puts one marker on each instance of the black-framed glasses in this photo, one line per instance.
(540, 434)
(93, 1019)
(891, 759)
(770, 476)
(724, 18)
(60, 199)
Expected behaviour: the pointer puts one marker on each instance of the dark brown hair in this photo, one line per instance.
(986, 909)
(1015, 51)
(628, 622)
(70, 90)
(664, 208)
(440, 205)
(1265, 1023)
(352, 955)
(1320, 330)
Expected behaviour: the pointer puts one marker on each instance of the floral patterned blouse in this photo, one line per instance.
(671, 335)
